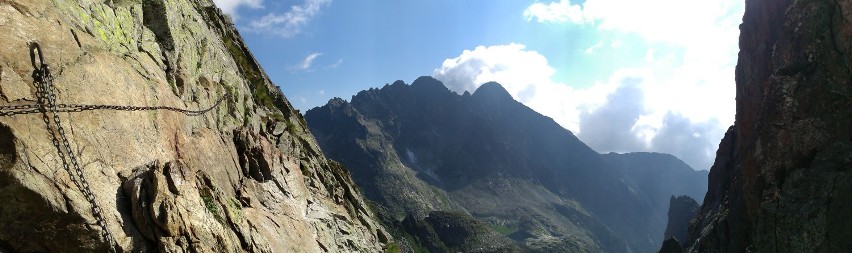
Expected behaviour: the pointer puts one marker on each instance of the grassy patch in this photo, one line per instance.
(211, 206)
(503, 229)
(291, 128)
(234, 209)
(260, 92)
(393, 248)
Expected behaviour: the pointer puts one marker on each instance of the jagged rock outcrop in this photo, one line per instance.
(781, 181)
(671, 245)
(246, 176)
(681, 210)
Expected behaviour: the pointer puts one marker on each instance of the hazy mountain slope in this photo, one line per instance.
(420, 147)
(782, 180)
(659, 176)
(246, 176)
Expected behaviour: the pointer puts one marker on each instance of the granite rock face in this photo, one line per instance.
(781, 181)
(245, 177)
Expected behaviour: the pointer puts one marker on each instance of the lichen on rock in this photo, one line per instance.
(166, 181)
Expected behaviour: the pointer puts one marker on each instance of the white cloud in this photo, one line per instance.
(635, 110)
(503, 62)
(556, 12)
(527, 75)
(706, 31)
(680, 21)
(627, 121)
(290, 23)
(307, 63)
(687, 98)
(230, 6)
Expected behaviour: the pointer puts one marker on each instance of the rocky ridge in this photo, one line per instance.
(245, 177)
(488, 159)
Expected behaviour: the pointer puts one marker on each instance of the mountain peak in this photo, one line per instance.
(398, 82)
(492, 89)
(429, 85)
(427, 81)
(337, 101)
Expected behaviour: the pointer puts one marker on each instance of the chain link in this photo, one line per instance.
(35, 108)
(13, 113)
(17, 107)
(47, 106)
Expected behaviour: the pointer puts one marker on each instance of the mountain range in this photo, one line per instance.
(418, 149)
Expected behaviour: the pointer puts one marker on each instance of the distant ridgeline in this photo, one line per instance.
(482, 172)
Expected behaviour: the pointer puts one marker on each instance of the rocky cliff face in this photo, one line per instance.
(781, 181)
(246, 176)
(682, 209)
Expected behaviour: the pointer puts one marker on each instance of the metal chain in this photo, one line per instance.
(83, 107)
(46, 91)
(34, 108)
(17, 107)
(46, 105)
(13, 113)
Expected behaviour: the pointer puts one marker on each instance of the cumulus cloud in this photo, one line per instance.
(626, 122)
(689, 140)
(230, 6)
(678, 103)
(680, 21)
(290, 23)
(306, 63)
(502, 62)
(526, 74)
(610, 127)
(705, 31)
(635, 110)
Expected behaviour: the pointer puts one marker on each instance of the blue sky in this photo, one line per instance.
(624, 75)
